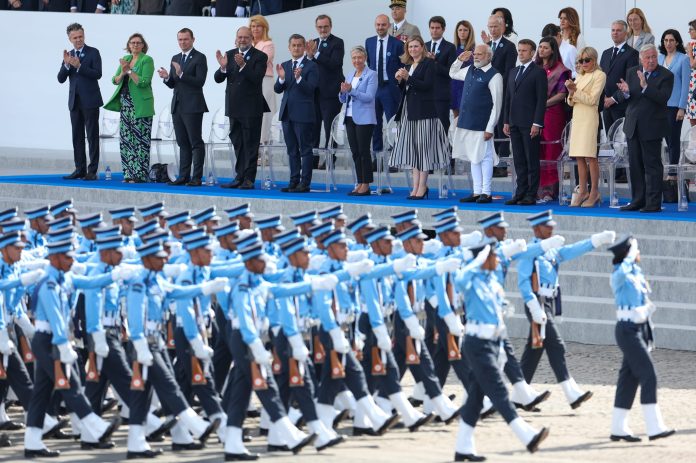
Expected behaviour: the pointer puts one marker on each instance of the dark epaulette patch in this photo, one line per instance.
(137, 287)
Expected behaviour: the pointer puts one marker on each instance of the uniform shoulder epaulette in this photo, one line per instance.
(51, 284)
(137, 287)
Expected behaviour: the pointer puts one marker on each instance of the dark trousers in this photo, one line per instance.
(386, 103)
(526, 158)
(187, 128)
(359, 137)
(424, 372)
(355, 381)
(553, 346)
(442, 361)
(512, 369)
(222, 358)
(388, 383)
(18, 379)
(645, 169)
(611, 115)
(673, 139)
(266, 7)
(443, 112)
(245, 134)
(304, 395)
(486, 380)
(44, 380)
(240, 382)
(502, 148)
(85, 120)
(298, 138)
(326, 110)
(636, 367)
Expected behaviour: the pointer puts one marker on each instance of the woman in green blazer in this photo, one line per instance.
(133, 98)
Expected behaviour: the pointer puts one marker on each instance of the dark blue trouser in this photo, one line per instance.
(240, 382)
(512, 369)
(485, 381)
(222, 358)
(355, 381)
(636, 367)
(442, 361)
(299, 138)
(388, 383)
(423, 372)
(553, 345)
(304, 395)
(18, 379)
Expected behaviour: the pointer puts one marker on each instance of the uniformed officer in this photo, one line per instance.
(242, 214)
(358, 228)
(305, 221)
(318, 233)
(125, 217)
(38, 223)
(87, 246)
(146, 228)
(179, 223)
(334, 213)
(485, 300)
(8, 214)
(155, 211)
(269, 227)
(207, 219)
(548, 293)
(634, 337)
(285, 237)
(64, 209)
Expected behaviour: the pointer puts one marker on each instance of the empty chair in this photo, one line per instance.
(218, 143)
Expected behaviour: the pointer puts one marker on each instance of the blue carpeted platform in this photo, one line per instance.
(397, 198)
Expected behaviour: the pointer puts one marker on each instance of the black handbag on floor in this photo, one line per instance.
(158, 173)
(670, 191)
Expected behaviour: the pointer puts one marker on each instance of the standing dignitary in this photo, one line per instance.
(244, 68)
(187, 77)
(444, 53)
(83, 67)
(297, 81)
(647, 89)
(383, 56)
(401, 29)
(523, 116)
(327, 52)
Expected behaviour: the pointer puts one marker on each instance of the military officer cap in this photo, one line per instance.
(204, 241)
(17, 224)
(449, 224)
(205, 215)
(62, 207)
(162, 235)
(181, 217)
(336, 236)
(408, 216)
(246, 238)
(320, 229)
(57, 224)
(270, 222)
(292, 246)
(110, 242)
(153, 209)
(124, 213)
(240, 211)
(378, 233)
(333, 212)
(446, 214)
(92, 220)
(621, 245)
(362, 221)
(8, 214)
(192, 234)
(227, 229)
(107, 231)
(282, 238)
(399, 3)
(146, 228)
(13, 238)
(249, 252)
(153, 248)
(38, 213)
(303, 217)
(542, 218)
(412, 232)
(494, 220)
(478, 247)
(60, 234)
(61, 247)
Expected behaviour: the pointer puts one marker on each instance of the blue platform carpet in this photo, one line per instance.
(397, 198)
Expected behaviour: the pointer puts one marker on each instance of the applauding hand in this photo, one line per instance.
(221, 59)
(623, 85)
(163, 73)
(281, 71)
(346, 87)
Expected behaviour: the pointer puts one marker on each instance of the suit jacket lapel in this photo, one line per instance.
(526, 71)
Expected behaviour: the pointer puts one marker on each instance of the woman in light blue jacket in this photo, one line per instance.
(673, 57)
(358, 94)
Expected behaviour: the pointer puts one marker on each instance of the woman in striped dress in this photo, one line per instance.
(421, 140)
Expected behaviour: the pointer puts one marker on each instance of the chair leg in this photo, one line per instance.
(562, 195)
(683, 204)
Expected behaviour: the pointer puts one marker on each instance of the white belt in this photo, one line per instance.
(42, 326)
(235, 323)
(109, 322)
(484, 330)
(632, 314)
(152, 327)
(547, 291)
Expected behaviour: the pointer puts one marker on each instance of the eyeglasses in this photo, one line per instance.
(585, 60)
(135, 43)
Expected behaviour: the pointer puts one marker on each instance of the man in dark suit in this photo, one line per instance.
(243, 68)
(444, 53)
(88, 6)
(83, 67)
(383, 57)
(647, 89)
(523, 116)
(327, 52)
(297, 81)
(504, 59)
(186, 76)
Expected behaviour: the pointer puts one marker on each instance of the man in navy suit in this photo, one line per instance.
(297, 81)
(83, 67)
(327, 52)
(383, 56)
(504, 59)
(523, 116)
(444, 53)
(88, 6)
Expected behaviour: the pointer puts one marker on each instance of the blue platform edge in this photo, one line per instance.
(396, 198)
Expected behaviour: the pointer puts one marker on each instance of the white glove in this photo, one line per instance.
(142, 352)
(31, 277)
(359, 341)
(173, 270)
(538, 314)
(175, 248)
(316, 261)
(261, 355)
(324, 282)
(605, 237)
(6, 346)
(213, 12)
(633, 250)
(432, 246)
(215, 285)
(200, 350)
(383, 340)
(556, 241)
(471, 238)
(454, 324)
(407, 262)
(101, 348)
(240, 12)
(270, 268)
(78, 268)
(67, 354)
(299, 349)
(447, 265)
(27, 328)
(357, 256)
(467, 255)
(340, 343)
(414, 329)
(122, 272)
(358, 268)
(641, 314)
(33, 264)
(513, 248)
(483, 255)
(651, 307)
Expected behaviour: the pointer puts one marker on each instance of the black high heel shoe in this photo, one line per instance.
(423, 196)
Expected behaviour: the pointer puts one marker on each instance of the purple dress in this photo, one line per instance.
(456, 86)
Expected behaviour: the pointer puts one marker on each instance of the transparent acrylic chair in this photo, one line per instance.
(687, 166)
(219, 142)
(460, 166)
(276, 143)
(109, 132)
(340, 148)
(164, 137)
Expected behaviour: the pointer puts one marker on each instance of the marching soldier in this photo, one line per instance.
(64, 209)
(207, 219)
(242, 214)
(87, 245)
(359, 227)
(38, 226)
(304, 221)
(155, 211)
(269, 228)
(125, 217)
(334, 214)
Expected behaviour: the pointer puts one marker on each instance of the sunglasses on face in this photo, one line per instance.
(585, 60)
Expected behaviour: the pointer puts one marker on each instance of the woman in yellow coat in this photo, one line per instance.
(583, 95)
(133, 99)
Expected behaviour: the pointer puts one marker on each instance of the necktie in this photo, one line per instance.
(646, 74)
(395, 29)
(380, 62)
(616, 52)
(495, 45)
(294, 66)
(433, 46)
(183, 59)
(520, 70)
